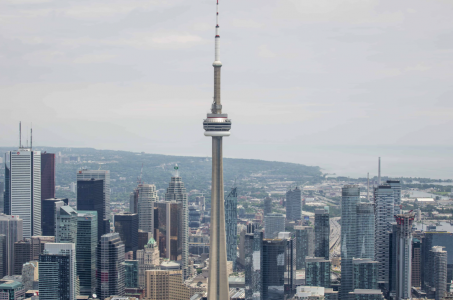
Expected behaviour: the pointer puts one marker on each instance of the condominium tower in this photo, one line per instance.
(11, 227)
(322, 232)
(349, 229)
(404, 255)
(87, 238)
(146, 197)
(294, 204)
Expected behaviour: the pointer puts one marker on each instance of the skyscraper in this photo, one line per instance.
(47, 175)
(50, 208)
(305, 242)
(147, 196)
(384, 212)
(274, 269)
(404, 255)
(416, 263)
(24, 195)
(267, 205)
(322, 233)
(439, 267)
(395, 185)
(90, 197)
(11, 227)
(217, 125)
(2, 195)
(365, 231)
(231, 221)
(126, 224)
(350, 199)
(104, 212)
(166, 284)
(133, 201)
(66, 225)
(273, 224)
(131, 274)
(294, 204)
(317, 272)
(170, 226)
(253, 265)
(176, 192)
(87, 238)
(110, 267)
(57, 272)
(3, 270)
(148, 259)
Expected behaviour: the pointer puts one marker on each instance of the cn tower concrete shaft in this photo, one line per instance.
(218, 279)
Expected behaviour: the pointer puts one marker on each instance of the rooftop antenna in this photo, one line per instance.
(368, 188)
(176, 169)
(31, 137)
(20, 134)
(379, 171)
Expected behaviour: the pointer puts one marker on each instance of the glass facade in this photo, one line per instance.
(274, 268)
(47, 176)
(87, 233)
(304, 244)
(365, 231)
(365, 273)
(126, 224)
(49, 210)
(90, 197)
(349, 234)
(294, 204)
(170, 226)
(231, 202)
(131, 273)
(322, 233)
(317, 272)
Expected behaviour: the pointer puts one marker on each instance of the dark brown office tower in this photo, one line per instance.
(416, 263)
(48, 211)
(29, 250)
(170, 239)
(90, 196)
(22, 254)
(47, 175)
(143, 238)
(126, 224)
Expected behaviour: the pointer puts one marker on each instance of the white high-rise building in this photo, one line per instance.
(101, 175)
(24, 189)
(147, 196)
(404, 255)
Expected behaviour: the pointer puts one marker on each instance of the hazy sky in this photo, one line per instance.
(137, 75)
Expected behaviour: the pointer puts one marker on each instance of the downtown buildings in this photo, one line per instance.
(294, 204)
(231, 202)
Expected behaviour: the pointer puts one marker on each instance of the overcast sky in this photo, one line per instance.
(137, 75)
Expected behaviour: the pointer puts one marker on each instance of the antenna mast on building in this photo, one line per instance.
(368, 188)
(20, 134)
(31, 137)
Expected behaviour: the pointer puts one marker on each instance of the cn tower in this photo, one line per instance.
(217, 125)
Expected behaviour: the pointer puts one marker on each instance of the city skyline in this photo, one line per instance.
(182, 30)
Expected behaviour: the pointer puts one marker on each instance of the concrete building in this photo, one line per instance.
(217, 125)
(126, 224)
(87, 238)
(231, 202)
(88, 196)
(404, 255)
(176, 192)
(11, 290)
(294, 204)
(23, 181)
(30, 273)
(416, 263)
(305, 244)
(110, 267)
(322, 233)
(439, 267)
(267, 205)
(273, 224)
(147, 196)
(317, 272)
(57, 272)
(66, 225)
(148, 259)
(384, 212)
(166, 285)
(11, 227)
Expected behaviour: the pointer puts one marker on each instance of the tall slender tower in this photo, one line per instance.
(217, 125)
